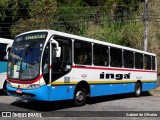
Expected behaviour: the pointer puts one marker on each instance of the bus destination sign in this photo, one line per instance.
(32, 37)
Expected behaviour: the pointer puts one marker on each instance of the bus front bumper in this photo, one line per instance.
(31, 94)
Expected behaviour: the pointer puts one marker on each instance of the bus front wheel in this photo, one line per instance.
(138, 89)
(4, 88)
(80, 96)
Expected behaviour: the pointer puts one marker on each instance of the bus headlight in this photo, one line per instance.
(33, 86)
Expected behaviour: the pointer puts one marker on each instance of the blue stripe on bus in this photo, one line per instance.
(3, 66)
(110, 89)
(149, 86)
(54, 93)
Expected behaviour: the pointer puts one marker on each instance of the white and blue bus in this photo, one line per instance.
(48, 65)
(3, 62)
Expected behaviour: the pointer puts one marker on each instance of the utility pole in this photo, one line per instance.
(145, 25)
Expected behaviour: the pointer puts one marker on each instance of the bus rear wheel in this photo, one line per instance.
(80, 96)
(138, 89)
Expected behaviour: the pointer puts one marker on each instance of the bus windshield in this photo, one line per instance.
(24, 60)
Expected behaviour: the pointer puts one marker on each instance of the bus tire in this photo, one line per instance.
(4, 87)
(80, 96)
(138, 89)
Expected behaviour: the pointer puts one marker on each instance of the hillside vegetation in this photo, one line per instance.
(116, 21)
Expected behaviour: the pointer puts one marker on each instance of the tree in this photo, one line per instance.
(41, 16)
(10, 12)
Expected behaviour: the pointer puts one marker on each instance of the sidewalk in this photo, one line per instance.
(155, 92)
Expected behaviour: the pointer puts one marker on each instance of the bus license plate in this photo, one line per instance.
(18, 91)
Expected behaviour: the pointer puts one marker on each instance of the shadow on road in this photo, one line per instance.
(43, 106)
(51, 106)
(100, 99)
(2, 93)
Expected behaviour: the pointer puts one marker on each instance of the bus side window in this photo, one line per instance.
(66, 54)
(153, 63)
(128, 59)
(82, 53)
(3, 51)
(116, 57)
(147, 62)
(138, 61)
(100, 55)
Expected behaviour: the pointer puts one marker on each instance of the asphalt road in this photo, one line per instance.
(124, 107)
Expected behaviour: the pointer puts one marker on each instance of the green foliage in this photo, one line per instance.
(68, 12)
(42, 16)
(113, 33)
(113, 21)
(43, 8)
(10, 12)
(134, 34)
(3, 6)
(18, 8)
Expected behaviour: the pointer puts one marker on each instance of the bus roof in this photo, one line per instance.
(50, 32)
(6, 41)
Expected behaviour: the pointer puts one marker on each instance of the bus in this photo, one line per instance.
(48, 65)
(3, 62)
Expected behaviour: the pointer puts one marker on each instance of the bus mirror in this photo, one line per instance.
(58, 53)
(58, 49)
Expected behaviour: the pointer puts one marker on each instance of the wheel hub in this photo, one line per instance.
(138, 90)
(79, 95)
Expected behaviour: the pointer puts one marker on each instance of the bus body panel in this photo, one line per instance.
(2, 79)
(3, 70)
(61, 92)
(3, 67)
(98, 75)
(149, 86)
(44, 93)
(109, 89)
(66, 92)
